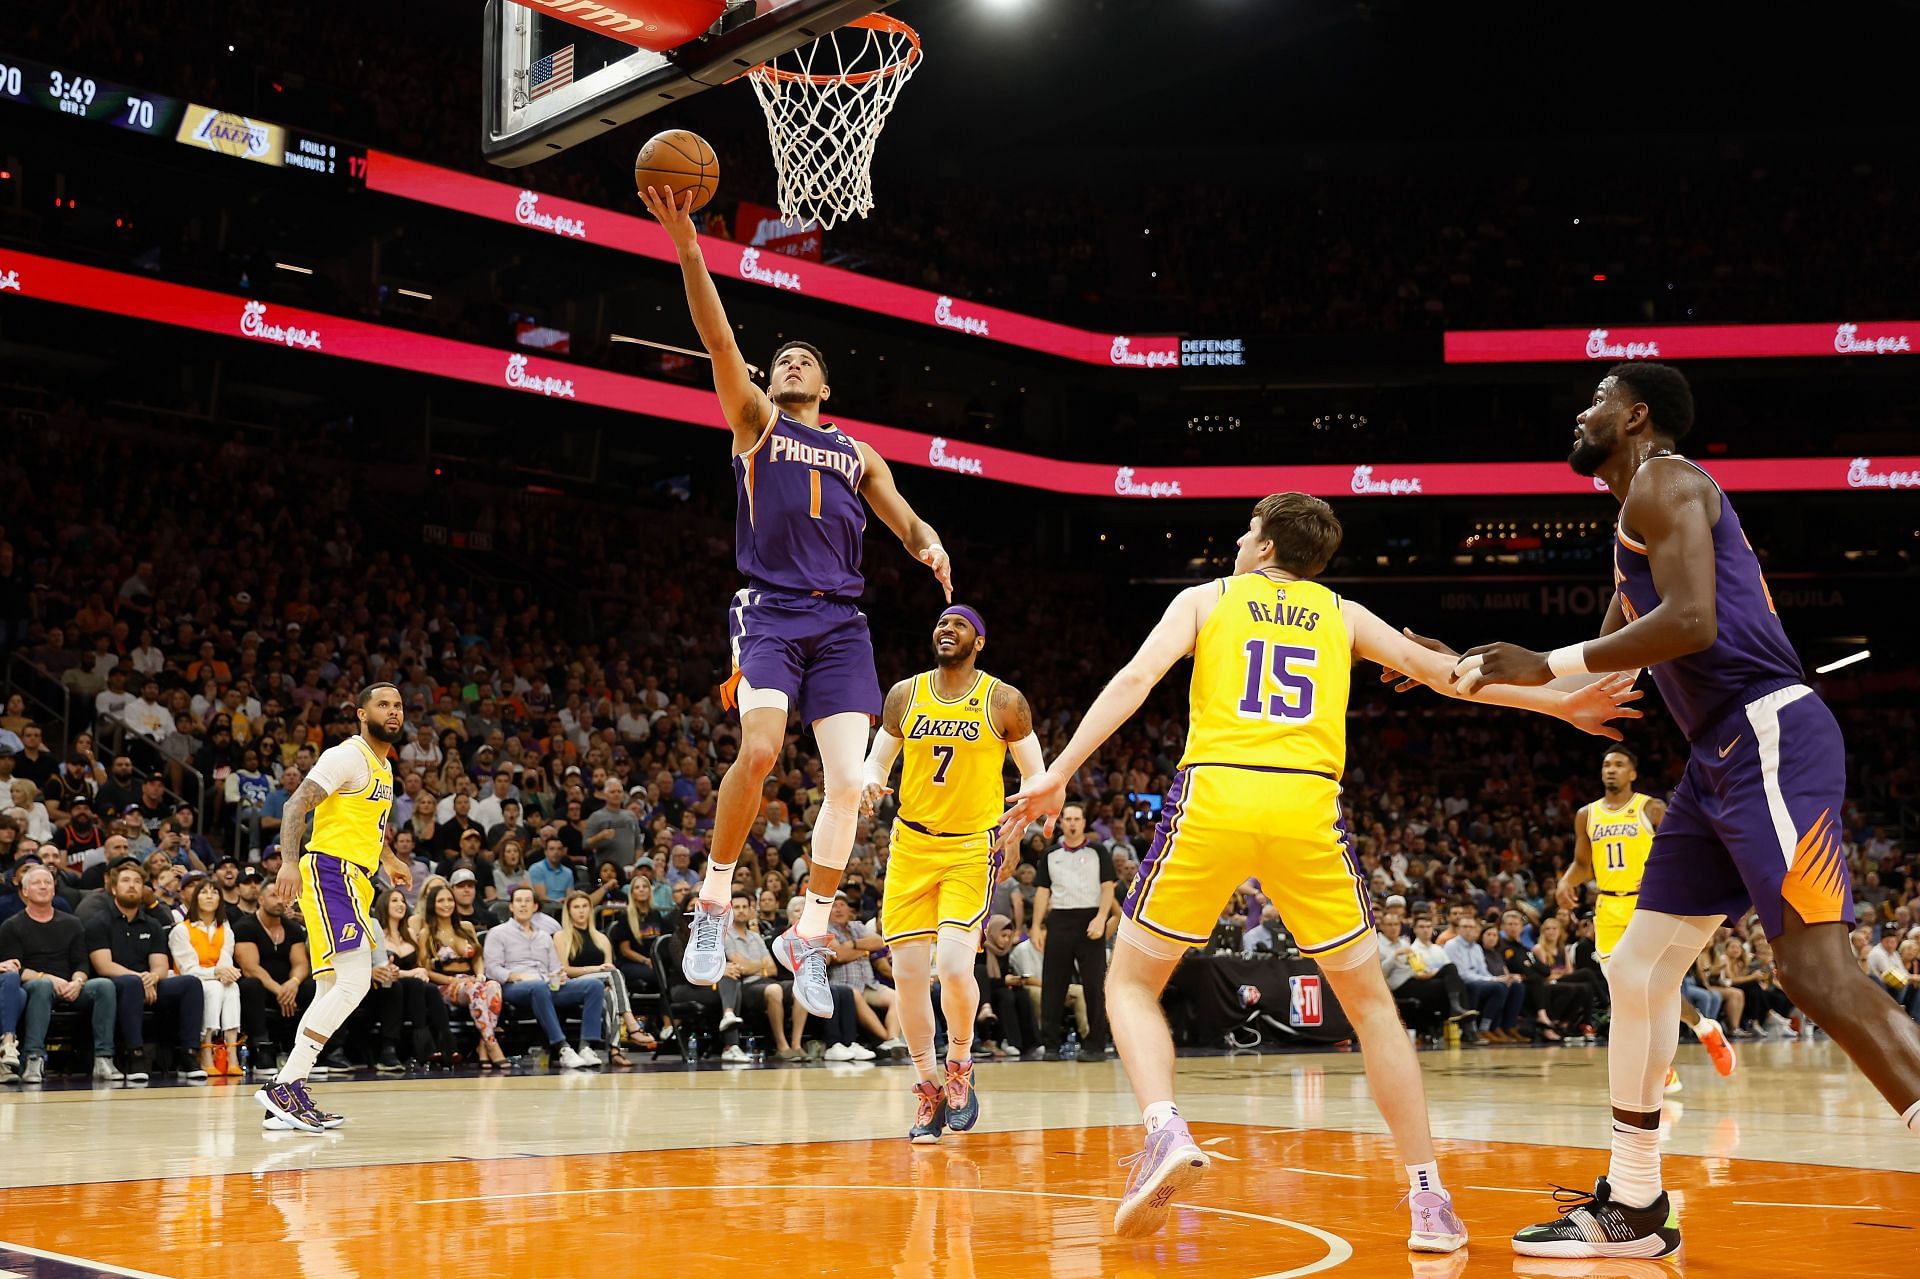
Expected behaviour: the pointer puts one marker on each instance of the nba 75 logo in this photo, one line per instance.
(1303, 1001)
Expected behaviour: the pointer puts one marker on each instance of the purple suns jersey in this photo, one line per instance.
(800, 517)
(1750, 654)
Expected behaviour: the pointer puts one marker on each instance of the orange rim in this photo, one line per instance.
(872, 22)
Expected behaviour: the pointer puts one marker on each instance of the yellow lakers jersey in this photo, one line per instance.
(1271, 671)
(352, 824)
(1621, 840)
(950, 779)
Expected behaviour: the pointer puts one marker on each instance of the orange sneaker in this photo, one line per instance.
(1673, 1083)
(1714, 1039)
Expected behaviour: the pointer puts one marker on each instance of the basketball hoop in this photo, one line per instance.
(825, 109)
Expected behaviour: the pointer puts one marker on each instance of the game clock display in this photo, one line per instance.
(75, 93)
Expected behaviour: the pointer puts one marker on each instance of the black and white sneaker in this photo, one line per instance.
(1592, 1225)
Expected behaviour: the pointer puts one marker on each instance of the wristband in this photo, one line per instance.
(1570, 660)
(936, 547)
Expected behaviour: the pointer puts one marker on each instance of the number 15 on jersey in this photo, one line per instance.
(1274, 667)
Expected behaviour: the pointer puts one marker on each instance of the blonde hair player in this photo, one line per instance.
(1258, 795)
(800, 641)
(1620, 825)
(956, 725)
(349, 792)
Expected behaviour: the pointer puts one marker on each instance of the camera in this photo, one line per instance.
(1146, 805)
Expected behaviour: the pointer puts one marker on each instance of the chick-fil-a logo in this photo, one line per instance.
(527, 213)
(1126, 486)
(750, 269)
(517, 376)
(1847, 341)
(1598, 348)
(1861, 475)
(937, 455)
(253, 323)
(9, 281)
(1365, 485)
(947, 318)
(1123, 354)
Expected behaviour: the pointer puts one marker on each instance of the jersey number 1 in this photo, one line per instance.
(1280, 659)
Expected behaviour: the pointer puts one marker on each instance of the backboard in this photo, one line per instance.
(552, 82)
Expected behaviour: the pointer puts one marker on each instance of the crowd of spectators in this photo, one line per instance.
(557, 790)
(1482, 239)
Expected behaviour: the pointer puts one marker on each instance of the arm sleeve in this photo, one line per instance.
(1041, 878)
(1104, 856)
(339, 768)
(879, 766)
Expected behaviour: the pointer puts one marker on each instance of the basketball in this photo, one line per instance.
(680, 160)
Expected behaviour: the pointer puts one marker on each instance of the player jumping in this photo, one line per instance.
(349, 792)
(1258, 796)
(1755, 820)
(799, 638)
(957, 725)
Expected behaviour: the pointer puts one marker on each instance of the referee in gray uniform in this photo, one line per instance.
(1074, 897)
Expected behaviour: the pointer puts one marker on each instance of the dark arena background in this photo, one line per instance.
(338, 350)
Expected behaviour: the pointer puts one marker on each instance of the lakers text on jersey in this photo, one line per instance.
(943, 864)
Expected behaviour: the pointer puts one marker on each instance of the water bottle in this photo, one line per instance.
(246, 1062)
(1070, 1051)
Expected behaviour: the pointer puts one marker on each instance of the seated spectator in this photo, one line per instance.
(632, 935)
(509, 870)
(1422, 1003)
(202, 948)
(46, 951)
(608, 894)
(1498, 999)
(451, 948)
(1698, 990)
(1558, 1007)
(1008, 1020)
(411, 980)
(1885, 965)
(29, 811)
(854, 945)
(585, 951)
(83, 833)
(465, 887)
(751, 981)
(128, 946)
(551, 878)
(523, 960)
(276, 977)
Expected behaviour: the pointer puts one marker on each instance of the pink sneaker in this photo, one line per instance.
(1436, 1226)
(1170, 1164)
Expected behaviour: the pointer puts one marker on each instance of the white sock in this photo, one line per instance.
(1912, 1119)
(1708, 1026)
(718, 885)
(1634, 1169)
(813, 920)
(1158, 1113)
(305, 1051)
(1424, 1176)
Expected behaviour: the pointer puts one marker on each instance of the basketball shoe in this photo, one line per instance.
(963, 1103)
(806, 959)
(1436, 1226)
(1713, 1037)
(1592, 1225)
(291, 1106)
(705, 961)
(930, 1114)
(1673, 1083)
(1170, 1164)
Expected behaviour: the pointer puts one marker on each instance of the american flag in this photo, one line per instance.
(555, 71)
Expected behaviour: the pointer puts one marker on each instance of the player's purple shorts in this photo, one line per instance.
(1757, 818)
(813, 648)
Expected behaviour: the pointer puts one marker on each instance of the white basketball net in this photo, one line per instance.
(826, 103)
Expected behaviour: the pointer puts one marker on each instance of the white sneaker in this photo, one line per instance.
(860, 1052)
(589, 1058)
(839, 1052)
(892, 1046)
(10, 1052)
(105, 1072)
(737, 1055)
(729, 1019)
(568, 1059)
(704, 961)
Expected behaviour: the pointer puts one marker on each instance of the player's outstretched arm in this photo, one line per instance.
(1171, 639)
(1013, 720)
(747, 407)
(1588, 708)
(877, 486)
(1674, 508)
(886, 747)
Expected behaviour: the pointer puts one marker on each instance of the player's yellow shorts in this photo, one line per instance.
(1223, 825)
(336, 899)
(935, 882)
(1610, 922)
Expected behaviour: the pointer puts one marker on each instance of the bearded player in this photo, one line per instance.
(956, 725)
(349, 792)
(1755, 819)
(1612, 838)
(1258, 796)
(800, 641)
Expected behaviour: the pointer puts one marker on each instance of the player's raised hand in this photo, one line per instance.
(935, 558)
(1589, 708)
(1040, 800)
(870, 796)
(674, 211)
(1500, 664)
(1406, 682)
